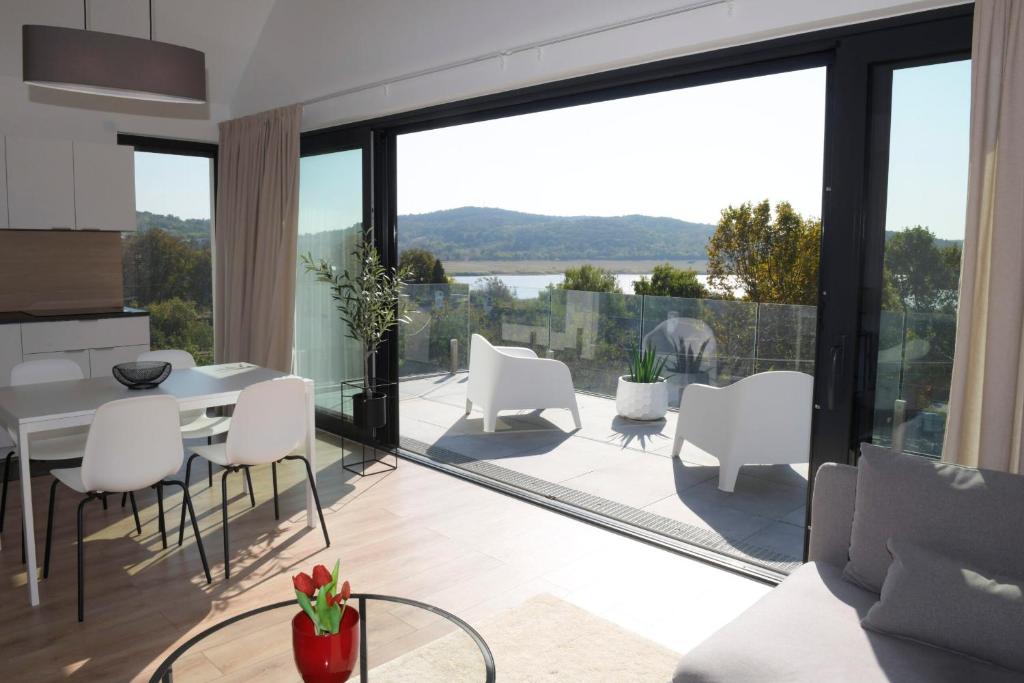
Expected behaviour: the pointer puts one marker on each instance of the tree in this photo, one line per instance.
(439, 277)
(590, 278)
(178, 324)
(773, 259)
(423, 267)
(667, 280)
(919, 274)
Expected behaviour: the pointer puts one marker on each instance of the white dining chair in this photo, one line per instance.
(61, 444)
(196, 424)
(269, 425)
(133, 444)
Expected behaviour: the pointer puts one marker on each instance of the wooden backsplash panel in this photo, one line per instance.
(59, 269)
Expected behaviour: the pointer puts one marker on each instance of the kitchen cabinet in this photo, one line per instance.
(10, 351)
(3, 183)
(40, 183)
(104, 187)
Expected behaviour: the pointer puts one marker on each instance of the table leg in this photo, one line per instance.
(311, 514)
(26, 507)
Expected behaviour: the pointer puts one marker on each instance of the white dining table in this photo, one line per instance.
(33, 408)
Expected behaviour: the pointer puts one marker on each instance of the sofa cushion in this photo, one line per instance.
(808, 629)
(973, 515)
(934, 599)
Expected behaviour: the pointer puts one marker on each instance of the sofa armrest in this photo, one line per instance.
(835, 489)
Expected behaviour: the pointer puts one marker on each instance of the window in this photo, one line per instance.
(167, 260)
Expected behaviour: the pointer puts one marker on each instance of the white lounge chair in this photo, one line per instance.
(764, 419)
(514, 378)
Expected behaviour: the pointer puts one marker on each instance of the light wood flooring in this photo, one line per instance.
(414, 532)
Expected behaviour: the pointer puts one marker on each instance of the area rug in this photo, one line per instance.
(544, 639)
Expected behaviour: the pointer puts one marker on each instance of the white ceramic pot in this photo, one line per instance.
(640, 400)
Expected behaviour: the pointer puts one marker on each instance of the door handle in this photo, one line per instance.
(836, 353)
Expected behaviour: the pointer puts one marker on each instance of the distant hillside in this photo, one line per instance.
(192, 229)
(473, 233)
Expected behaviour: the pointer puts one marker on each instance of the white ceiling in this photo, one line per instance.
(267, 53)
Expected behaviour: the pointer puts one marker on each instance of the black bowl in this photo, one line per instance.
(145, 374)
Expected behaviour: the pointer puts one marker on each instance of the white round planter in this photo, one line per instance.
(641, 401)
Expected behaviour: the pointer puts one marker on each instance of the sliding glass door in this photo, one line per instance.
(918, 204)
(331, 219)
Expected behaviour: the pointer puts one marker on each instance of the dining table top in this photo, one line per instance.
(39, 402)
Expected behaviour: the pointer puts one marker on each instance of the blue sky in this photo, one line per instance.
(173, 184)
(928, 148)
(685, 154)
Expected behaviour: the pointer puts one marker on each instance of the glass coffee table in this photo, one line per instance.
(400, 639)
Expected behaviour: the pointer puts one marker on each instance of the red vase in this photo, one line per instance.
(328, 658)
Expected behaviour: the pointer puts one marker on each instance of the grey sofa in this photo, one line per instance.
(808, 628)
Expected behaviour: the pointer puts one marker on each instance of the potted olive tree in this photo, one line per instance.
(643, 393)
(367, 300)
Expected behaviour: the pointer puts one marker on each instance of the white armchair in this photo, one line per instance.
(514, 378)
(764, 419)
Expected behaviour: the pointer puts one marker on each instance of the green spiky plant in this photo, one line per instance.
(644, 365)
(368, 299)
(686, 361)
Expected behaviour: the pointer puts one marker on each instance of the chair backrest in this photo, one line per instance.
(133, 443)
(484, 368)
(773, 413)
(45, 370)
(176, 357)
(268, 423)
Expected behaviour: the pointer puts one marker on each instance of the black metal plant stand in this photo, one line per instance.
(378, 461)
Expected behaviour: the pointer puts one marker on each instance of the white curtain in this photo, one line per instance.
(986, 407)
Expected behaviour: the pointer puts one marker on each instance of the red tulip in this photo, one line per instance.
(346, 591)
(321, 576)
(303, 583)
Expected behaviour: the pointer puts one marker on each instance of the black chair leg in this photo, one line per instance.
(105, 503)
(273, 475)
(187, 503)
(81, 557)
(160, 512)
(3, 496)
(188, 477)
(124, 499)
(135, 512)
(224, 512)
(209, 475)
(316, 496)
(248, 483)
(49, 529)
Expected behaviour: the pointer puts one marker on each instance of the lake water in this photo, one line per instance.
(528, 286)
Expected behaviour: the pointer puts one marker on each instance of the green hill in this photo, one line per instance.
(473, 233)
(195, 230)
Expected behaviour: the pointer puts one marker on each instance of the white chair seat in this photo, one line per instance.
(205, 426)
(68, 444)
(70, 477)
(216, 453)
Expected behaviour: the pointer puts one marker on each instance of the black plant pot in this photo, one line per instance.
(372, 412)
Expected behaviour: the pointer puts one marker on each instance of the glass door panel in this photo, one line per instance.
(924, 203)
(331, 214)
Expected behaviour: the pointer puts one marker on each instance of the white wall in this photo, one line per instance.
(226, 31)
(325, 46)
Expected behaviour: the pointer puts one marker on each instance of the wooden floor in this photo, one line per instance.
(414, 532)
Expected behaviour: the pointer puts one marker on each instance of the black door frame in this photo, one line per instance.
(321, 142)
(845, 336)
